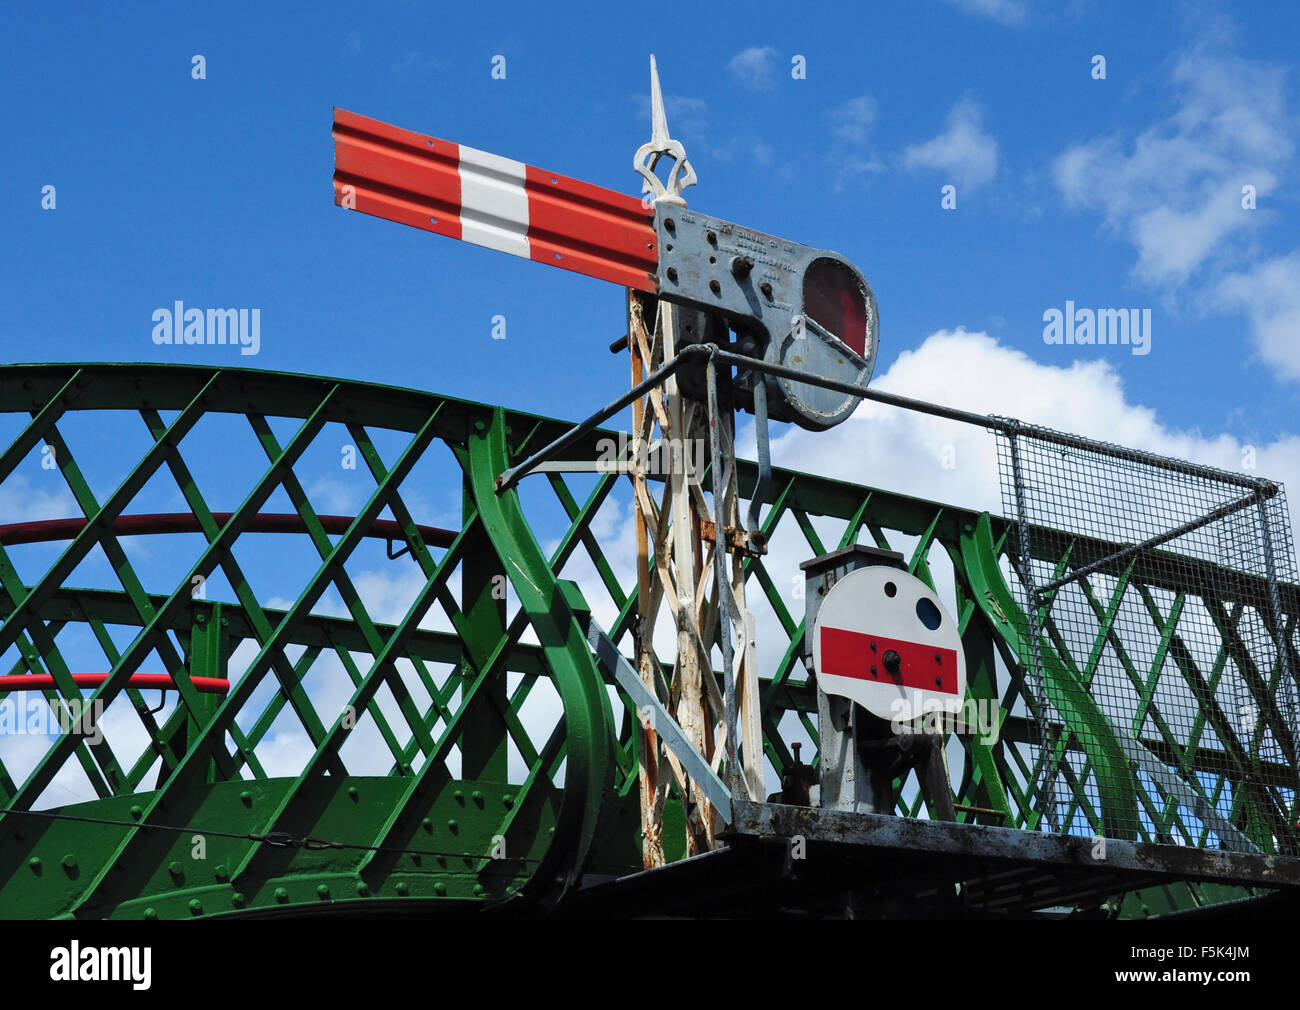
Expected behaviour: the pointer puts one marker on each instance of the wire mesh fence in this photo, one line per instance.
(1162, 604)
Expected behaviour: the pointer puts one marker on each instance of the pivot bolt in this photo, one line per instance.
(741, 266)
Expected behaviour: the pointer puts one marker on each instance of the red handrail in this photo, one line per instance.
(157, 681)
(44, 530)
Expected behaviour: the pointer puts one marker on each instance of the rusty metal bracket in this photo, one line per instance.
(738, 538)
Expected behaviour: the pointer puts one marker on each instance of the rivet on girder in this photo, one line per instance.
(35, 864)
(452, 826)
(363, 888)
(509, 800)
(237, 899)
(281, 895)
(246, 798)
(222, 874)
(352, 792)
(440, 889)
(323, 892)
(479, 890)
(176, 870)
(196, 906)
(402, 889)
(460, 796)
(151, 913)
(478, 797)
(69, 862)
(136, 811)
(427, 824)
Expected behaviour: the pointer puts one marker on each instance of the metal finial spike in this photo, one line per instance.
(658, 118)
(661, 144)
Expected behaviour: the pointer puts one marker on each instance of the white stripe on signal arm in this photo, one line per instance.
(493, 202)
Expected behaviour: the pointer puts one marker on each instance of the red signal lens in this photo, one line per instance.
(833, 297)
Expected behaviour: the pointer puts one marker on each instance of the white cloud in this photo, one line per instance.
(686, 116)
(964, 153)
(754, 67)
(1175, 191)
(22, 502)
(1006, 12)
(902, 451)
(338, 497)
(852, 121)
(851, 124)
(1269, 294)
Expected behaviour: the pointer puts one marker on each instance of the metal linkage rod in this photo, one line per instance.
(735, 778)
(515, 474)
(761, 440)
(991, 421)
(1003, 424)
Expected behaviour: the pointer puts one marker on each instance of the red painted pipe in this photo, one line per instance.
(162, 681)
(45, 530)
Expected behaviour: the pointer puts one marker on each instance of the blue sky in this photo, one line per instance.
(217, 191)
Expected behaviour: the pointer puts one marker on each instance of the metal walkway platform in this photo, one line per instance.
(880, 866)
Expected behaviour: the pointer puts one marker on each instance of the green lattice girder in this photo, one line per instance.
(211, 766)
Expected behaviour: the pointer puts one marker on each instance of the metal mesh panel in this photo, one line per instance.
(1156, 595)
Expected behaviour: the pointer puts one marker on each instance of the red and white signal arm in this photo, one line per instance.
(883, 639)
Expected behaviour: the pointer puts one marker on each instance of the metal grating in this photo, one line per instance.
(1158, 594)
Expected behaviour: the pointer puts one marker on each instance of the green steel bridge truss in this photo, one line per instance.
(455, 743)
